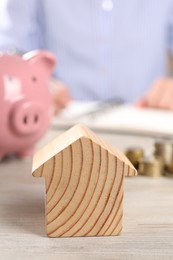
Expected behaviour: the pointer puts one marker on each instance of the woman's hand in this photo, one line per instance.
(61, 95)
(160, 95)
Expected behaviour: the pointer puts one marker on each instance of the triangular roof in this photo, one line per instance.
(68, 138)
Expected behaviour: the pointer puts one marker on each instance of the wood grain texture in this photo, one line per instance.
(84, 185)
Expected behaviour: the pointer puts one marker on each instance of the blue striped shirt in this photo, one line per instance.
(106, 49)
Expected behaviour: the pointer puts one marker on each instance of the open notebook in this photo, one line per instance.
(125, 119)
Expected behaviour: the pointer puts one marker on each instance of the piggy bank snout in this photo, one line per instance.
(28, 117)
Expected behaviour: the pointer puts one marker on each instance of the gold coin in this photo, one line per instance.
(169, 169)
(135, 154)
(152, 167)
(164, 149)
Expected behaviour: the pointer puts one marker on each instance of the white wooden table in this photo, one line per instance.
(148, 216)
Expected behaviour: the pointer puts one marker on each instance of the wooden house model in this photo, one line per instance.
(84, 179)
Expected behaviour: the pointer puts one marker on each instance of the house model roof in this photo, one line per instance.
(69, 137)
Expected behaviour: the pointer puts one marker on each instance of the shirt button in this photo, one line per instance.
(107, 5)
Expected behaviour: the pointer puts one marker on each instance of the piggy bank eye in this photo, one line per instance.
(34, 79)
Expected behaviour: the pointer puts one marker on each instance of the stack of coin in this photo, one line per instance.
(152, 166)
(164, 149)
(155, 163)
(135, 155)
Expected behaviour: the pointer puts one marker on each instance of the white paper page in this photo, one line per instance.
(122, 118)
(77, 109)
(131, 119)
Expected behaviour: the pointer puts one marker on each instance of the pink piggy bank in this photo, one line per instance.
(25, 101)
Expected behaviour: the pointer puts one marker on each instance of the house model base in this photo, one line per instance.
(84, 179)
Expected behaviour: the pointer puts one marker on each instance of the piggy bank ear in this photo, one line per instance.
(41, 58)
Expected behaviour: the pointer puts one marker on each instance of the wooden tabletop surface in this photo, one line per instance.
(148, 216)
